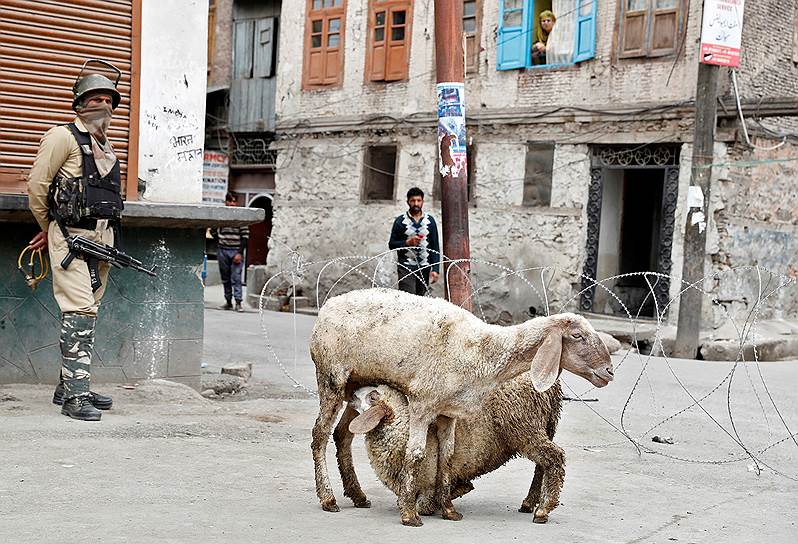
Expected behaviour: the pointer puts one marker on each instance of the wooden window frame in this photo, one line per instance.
(370, 170)
(472, 59)
(383, 74)
(650, 16)
(211, 32)
(323, 14)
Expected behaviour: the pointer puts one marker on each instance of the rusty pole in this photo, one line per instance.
(450, 68)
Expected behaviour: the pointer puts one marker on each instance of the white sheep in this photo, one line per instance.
(444, 360)
(515, 420)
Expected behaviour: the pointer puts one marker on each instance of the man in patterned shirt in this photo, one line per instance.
(415, 235)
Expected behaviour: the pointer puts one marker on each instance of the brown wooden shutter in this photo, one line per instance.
(379, 38)
(43, 44)
(398, 38)
(664, 27)
(633, 39)
(324, 43)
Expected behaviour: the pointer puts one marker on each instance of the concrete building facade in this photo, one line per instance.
(581, 167)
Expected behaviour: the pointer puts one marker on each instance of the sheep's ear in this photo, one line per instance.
(546, 363)
(368, 420)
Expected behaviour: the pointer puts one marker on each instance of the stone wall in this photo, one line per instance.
(324, 221)
(757, 216)
(147, 327)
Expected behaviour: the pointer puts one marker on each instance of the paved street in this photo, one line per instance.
(167, 465)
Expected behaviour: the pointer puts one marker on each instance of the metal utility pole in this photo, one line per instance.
(695, 236)
(450, 67)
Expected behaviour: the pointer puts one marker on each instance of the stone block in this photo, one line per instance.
(222, 383)
(185, 357)
(150, 359)
(46, 363)
(35, 326)
(612, 344)
(242, 370)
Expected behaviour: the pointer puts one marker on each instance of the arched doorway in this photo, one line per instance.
(258, 248)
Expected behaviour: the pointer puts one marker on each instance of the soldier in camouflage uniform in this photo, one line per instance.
(58, 168)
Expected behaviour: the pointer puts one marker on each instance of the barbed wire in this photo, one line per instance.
(360, 266)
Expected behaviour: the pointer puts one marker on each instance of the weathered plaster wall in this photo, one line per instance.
(173, 83)
(757, 225)
(595, 83)
(146, 328)
(322, 221)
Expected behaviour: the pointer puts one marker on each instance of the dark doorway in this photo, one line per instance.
(258, 248)
(641, 214)
(631, 206)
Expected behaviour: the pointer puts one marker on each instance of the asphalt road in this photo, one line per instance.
(168, 466)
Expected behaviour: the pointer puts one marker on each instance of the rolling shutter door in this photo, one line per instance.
(43, 44)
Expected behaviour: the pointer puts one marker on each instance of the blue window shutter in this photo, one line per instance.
(512, 50)
(585, 30)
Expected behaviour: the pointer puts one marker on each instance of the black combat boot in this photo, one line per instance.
(80, 407)
(101, 402)
(227, 305)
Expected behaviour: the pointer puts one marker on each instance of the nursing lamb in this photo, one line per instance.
(514, 421)
(444, 360)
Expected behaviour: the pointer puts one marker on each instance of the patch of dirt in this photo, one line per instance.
(268, 419)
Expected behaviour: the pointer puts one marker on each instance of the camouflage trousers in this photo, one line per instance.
(77, 340)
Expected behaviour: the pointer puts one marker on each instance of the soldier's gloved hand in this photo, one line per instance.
(39, 241)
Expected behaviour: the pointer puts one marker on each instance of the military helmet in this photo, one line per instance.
(92, 82)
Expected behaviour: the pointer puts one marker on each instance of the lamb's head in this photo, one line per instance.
(571, 343)
(376, 405)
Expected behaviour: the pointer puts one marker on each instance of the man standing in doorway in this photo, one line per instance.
(232, 241)
(415, 234)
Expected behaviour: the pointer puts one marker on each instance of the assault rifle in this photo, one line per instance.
(94, 252)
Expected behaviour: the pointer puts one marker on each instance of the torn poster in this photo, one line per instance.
(695, 197)
(451, 129)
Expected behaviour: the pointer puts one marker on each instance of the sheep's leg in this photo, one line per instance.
(443, 482)
(329, 405)
(343, 452)
(414, 457)
(551, 458)
(533, 497)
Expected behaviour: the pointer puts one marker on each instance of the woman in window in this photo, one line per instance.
(546, 23)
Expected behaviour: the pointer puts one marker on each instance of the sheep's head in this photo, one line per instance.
(375, 404)
(571, 344)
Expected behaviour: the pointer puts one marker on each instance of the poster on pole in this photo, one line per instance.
(215, 169)
(451, 129)
(722, 32)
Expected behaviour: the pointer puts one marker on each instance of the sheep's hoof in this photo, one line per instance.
(451, 515)
(365, 503)
(330, 506)
(414, 521)
(540, 517)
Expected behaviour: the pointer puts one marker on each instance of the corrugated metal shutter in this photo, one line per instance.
(43, 44)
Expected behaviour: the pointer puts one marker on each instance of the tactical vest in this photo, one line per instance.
(79, 202)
